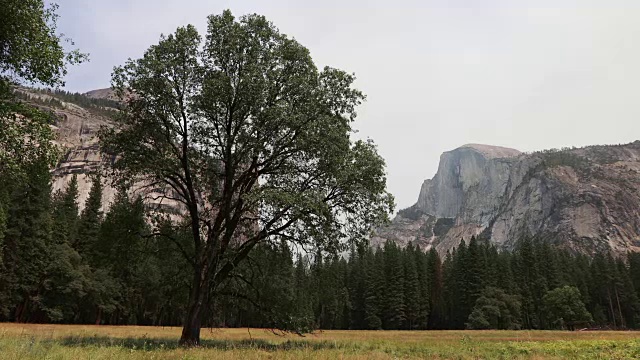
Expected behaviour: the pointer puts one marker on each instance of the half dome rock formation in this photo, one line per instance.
(585, 199)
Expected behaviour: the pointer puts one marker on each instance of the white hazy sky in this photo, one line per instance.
(438, 74)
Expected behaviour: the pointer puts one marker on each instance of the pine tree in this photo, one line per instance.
(345, 320)
(576, 271)
(4, 213)
(436, 290)
(374, 285)
(634, 271)
(356, 285)
(549, 266)
(90, 220)
(602, 302)
(531, 284)
(626, 296)
(412, 287)
(67, 274)
(120, 250)
(173, 271)
(475, 269)
(492, 270)
(504, 273)
(394, 302)
(330, 306)
(424, 299)
(65, 214)
(274, 283)
(615, 287)
(456, 275)
(303, 301)
(26, 244)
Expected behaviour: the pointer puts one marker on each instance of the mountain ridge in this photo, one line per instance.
(78, 117)
(585, 199)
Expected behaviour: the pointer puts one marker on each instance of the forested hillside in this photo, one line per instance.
(55, 99)
(64, 266)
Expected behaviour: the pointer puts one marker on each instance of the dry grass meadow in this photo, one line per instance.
(28, 341)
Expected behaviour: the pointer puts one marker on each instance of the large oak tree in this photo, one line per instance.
(252, 140)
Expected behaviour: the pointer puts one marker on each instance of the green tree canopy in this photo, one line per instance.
(564, 308)
(31, 51)
(30, 48)
(252, 140)
(495, 309)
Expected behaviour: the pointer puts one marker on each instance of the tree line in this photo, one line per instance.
(55, 98)
(475, 286)
(62, 265)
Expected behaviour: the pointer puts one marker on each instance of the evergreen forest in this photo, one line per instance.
(62, 265)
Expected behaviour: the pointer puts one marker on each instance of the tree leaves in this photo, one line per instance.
(30, 51)
(30, 48)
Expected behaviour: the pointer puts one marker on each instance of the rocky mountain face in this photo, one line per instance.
(77, 123)
(75, 128)
(585, 199)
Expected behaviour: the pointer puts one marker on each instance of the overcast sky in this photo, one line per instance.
(438, 74)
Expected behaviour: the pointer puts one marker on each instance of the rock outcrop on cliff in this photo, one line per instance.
(586, 199)
(75, 128)
(78, 119)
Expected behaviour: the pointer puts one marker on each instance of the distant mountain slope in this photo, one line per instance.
(106, 93)
(76, 125)
(586, 199)
(78, 118)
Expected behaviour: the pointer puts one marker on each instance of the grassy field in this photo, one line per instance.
(27, 341)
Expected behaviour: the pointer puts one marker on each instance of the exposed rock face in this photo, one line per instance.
(106, 93)
(76, 128)
(468, 181)
(586, 199)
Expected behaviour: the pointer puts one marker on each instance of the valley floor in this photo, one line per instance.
(29, 341)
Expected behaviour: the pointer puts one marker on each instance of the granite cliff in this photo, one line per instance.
(78, 117)
(586, 199)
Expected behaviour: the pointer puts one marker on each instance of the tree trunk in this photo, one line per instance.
(622, 324)
(21, 310)
(192, 322)
(191, 328)
(613, 314)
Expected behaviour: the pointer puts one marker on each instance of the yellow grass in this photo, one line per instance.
(28, 341)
